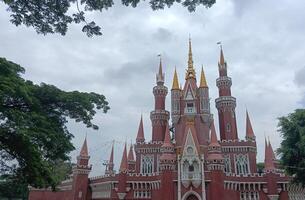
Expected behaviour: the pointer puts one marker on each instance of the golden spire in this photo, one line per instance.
(190, 73)
(203, 82)
(175, 81)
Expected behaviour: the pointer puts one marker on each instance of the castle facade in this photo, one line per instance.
(184, 160)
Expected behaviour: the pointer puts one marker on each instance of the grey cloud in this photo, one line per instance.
(163, 35)
(300, 77)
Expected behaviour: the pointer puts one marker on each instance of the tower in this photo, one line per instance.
(80, 174)
(191, 104)
(225, 103)
(159, 117)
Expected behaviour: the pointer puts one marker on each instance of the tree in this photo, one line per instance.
(33, 132)
(260, 167)
(292, 149)
(12, 188)
(15, 188)
(48, 16)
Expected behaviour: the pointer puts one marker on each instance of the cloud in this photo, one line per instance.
(263, 44)
(300, 77)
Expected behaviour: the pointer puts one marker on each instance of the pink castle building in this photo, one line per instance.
(184, 160)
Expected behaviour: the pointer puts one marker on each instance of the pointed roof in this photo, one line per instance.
(221, 59)
(203, 82)
(190, 73)
(160, 67)
(249, 129)
(175, 81)
(111, 154)
(84, 150)
(124, 164)
(130, 154)
(160, 75)
(167, 139)
(213, 141)
(271, 150)
(140, 135)
(269, 165)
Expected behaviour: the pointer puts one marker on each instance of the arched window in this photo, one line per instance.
(241, 164)
(147, 164)
(227, 163)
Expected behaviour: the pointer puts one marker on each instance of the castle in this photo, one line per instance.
(184, 160)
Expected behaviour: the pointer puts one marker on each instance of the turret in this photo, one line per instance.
(110, 164)
(159, 117)
(80, 173)
(168, 157)
(130, 160)
(140, 136)
(215, 164)
(249, 130)
(225, 103)
(271, 177)
(175, 97)
(167, 166)
(269, 157)
(215, 158)
(122, 177)
(203, 92)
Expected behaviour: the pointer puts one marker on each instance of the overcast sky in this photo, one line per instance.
(263, 41)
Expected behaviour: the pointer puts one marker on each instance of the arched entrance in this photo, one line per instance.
(191, 197)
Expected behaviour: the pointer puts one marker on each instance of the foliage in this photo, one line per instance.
(33, 132)
(260, 167)
(292, 150)
(12, 188)
(48, 16)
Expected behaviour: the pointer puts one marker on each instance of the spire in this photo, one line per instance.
(249, 130)
(213, 141)
(269, 154)
(190, 73)
(111, 154)
(130, 154)
(160, 66)
(175, 81)
(140, 136)
(203, 82)
(271, 150)
(221, 59)
(124, 164)
(167, 139)
(160, 75)
(84, 150)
